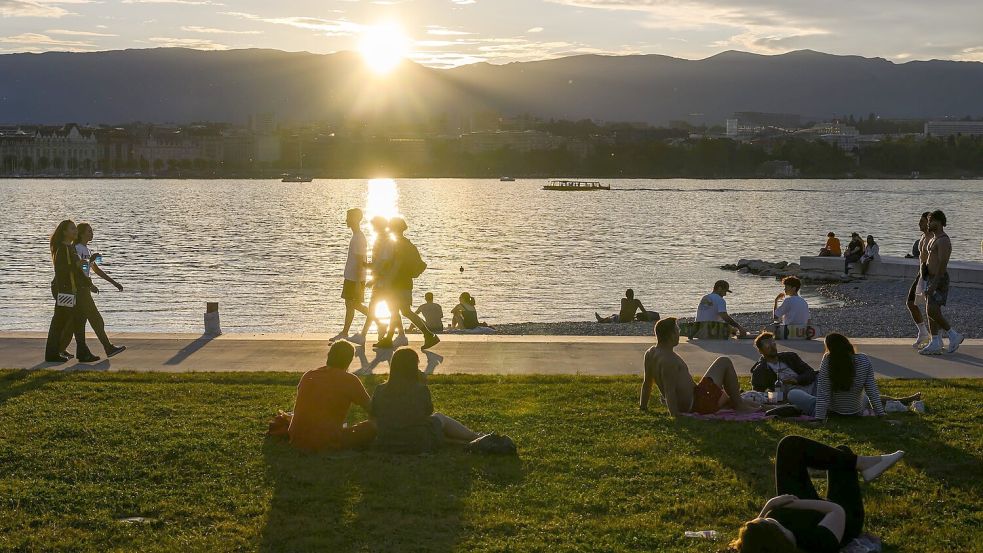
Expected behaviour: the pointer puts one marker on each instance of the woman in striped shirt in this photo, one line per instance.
(843, 385)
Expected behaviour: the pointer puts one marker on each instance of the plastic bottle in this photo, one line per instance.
(98, 258)
(85, 267)
(779, 390)
(705, 534)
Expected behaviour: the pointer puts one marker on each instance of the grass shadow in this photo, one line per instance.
(19, 382)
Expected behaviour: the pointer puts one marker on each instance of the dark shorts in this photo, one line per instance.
(352, 290)
(400, 297)
(941, 293)
(706, 397)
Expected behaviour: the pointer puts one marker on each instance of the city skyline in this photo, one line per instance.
(447, 33)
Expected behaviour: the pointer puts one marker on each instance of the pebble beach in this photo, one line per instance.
(866, 309)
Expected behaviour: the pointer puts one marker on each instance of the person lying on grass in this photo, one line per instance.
(664, 367)
(402, 410)
(798, 519)
(324, 396)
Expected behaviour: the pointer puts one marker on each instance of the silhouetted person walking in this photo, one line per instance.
(69, 278)
(406, 265)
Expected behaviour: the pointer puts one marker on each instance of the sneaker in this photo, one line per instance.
(401, 341)
(922, 340)
(886, 462)
(954, 342)
(114, 350)
(67, 355)
(431, 341)
(784, 411)
(933, 348)
(385, 343)
(336, 337)
(918, 406)
(894, 407)
(56, 359)
(88, 358)
(356, 339)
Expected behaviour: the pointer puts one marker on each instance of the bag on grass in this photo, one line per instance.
(279, 424)
(492, 444)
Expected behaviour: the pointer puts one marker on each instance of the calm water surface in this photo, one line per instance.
(272, 253)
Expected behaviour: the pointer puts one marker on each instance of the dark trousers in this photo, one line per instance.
(850, 259)
(797, 454)
(86, 311)
(64, 321)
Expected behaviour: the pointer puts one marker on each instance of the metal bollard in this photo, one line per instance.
(212, 325)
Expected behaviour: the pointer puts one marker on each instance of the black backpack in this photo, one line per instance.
(492, 444)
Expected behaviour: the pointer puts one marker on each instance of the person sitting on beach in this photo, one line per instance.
(629, 306)
(871, 253)
(845, 384)
(402, 409)
(432, 313)
(324, 396)
(832, 247)
(713, 308)
(854, 251)
(465, 314)
(797, 519)
(665, 368)
(794, 309)
(773, 366)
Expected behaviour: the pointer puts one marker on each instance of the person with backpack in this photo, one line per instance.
(407, 264)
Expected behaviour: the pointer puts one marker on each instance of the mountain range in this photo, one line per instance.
(181, 85)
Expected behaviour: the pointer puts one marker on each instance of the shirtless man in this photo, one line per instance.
(937, 286)
(924, 336)
(717, 389)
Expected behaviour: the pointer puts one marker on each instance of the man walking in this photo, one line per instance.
(353, 289)
(406, 265)
(937, 286)
(921, 252)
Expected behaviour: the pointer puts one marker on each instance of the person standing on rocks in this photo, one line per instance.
(920, 252)
(937, 286)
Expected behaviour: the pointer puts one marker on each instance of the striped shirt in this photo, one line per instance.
(849, 402)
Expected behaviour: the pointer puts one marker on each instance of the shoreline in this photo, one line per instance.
(869, 309)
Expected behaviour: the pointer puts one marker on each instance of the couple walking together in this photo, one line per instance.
(395, 263)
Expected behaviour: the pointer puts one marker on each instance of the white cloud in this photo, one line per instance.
(194, 43)
(444, 31)
(464, 2)
(535, 30)
(330, 27)
(69, 32)
(36, 40)
(185, 2)
(30, 8)
(214, 31)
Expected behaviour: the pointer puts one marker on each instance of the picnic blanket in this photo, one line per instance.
(733, 416)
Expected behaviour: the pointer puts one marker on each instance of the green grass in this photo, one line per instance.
(78, 451)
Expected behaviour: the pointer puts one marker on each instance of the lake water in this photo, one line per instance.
(272, 253)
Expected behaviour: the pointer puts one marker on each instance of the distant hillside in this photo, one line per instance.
(180, 85)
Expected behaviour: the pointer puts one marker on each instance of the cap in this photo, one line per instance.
(722, 284)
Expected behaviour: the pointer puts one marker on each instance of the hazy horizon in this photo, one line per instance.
(449, 33)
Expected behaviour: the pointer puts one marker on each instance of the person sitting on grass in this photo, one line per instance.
(797, 519)
(832, 247)
(664, 367)
(324, 396)
(629, 305)
(794, 309)
(402, 409)
(845, 384)
(773, 366)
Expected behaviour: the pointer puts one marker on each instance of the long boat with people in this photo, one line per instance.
(576, 185)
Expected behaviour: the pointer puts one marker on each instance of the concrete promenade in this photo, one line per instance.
(593, 355)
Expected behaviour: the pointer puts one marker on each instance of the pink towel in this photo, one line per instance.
(731, 415)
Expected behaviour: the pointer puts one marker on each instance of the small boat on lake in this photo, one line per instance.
(507, 179)
(575, 185)
(295, 178)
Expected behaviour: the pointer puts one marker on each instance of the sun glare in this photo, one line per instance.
(383, 47)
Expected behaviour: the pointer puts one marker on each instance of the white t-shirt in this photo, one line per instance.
(794, 311)
(83, 252)
(711, 306)
(357, 248)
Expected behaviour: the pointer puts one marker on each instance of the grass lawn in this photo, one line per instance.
(79, 451)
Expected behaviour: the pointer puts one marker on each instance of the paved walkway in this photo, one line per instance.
(595, 355)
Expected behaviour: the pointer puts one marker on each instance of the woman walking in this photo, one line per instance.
(798, 519)
(85, 306)
(69, 279)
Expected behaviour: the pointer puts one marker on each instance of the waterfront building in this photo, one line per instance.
(945, 129)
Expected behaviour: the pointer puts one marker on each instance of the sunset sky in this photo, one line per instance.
(445, 33)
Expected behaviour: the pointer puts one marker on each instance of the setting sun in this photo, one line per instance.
(384, 47)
